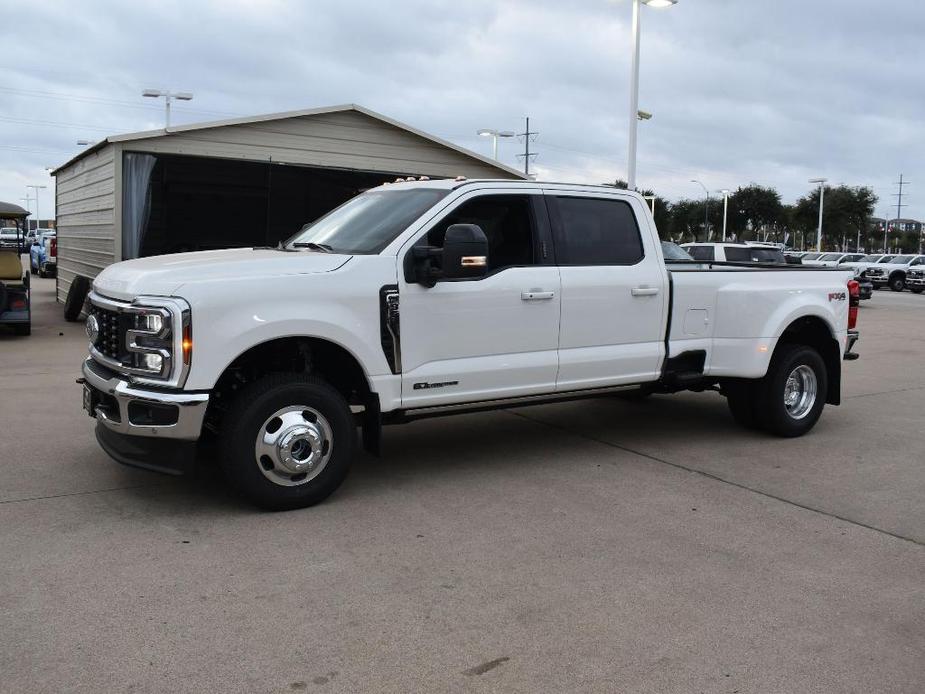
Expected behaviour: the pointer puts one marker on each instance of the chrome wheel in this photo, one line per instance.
(800, 391)
(294, 445)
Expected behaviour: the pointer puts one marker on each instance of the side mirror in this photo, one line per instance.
(464, 254)
(465, 251)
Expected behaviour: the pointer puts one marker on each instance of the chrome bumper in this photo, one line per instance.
(115, 415)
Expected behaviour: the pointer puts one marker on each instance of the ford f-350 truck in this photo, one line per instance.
(427, 298)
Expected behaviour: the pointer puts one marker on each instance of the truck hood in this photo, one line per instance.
(163, 275)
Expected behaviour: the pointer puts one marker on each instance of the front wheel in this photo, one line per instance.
(792, 394)
(287, 441)
(898, 283)
(916, 290)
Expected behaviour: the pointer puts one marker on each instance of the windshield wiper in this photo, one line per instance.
(314, 246)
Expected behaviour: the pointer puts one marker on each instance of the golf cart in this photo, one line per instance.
(15, 304)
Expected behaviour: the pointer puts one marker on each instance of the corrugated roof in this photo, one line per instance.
(162, 132)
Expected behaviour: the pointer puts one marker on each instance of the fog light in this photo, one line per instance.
(152, 362)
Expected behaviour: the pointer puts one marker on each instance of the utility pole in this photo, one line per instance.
(899, 199)
(527, 153)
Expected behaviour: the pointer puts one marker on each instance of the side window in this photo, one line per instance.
(702, 252)
(598, 232)
(508, 223)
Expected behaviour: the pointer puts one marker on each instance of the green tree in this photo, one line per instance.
(755, 211)
(846, 212)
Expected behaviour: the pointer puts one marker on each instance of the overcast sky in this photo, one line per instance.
(773, 92)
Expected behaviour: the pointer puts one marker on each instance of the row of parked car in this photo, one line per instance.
(898, 272)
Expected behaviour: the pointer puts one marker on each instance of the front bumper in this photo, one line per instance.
(126, 409)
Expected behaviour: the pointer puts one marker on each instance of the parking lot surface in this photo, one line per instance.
(602, 545)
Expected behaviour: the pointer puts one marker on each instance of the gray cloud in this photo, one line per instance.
(742, 91)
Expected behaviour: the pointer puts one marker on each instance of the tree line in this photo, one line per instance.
(756, 213)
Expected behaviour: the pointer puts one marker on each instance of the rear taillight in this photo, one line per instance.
(854, 300)
(53, 247)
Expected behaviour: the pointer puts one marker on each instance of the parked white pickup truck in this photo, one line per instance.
(427, 298)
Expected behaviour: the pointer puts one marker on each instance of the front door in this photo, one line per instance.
(491, 337)
(614, 293)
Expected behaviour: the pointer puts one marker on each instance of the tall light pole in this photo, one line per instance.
(36, 189)
(725, 193)
(494, 135)
(821, 182)
(706, 210)
(634, 88)
(157, 93)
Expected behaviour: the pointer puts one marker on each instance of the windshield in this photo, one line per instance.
(831, 256)
(870, 258)
(812, 256)
(886, 259)
(902, 259)
(754, 254)
(369, 222)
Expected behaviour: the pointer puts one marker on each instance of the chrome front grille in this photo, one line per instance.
(111, 340)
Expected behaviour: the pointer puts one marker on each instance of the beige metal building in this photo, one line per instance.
(240, 182)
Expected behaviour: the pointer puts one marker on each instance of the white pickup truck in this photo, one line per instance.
(428, 298)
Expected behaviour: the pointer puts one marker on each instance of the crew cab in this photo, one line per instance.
(429, 298)
(893, 273)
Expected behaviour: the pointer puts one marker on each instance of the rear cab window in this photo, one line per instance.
(702, 252)
(595, 231)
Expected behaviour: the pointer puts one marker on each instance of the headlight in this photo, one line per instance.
(149, 341)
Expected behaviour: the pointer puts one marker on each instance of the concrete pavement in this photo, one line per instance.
(593, 546)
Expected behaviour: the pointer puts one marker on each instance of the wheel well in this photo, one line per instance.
(897, 272)
(290, 355)
(814, 332)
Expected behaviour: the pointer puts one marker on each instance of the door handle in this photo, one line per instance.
(644, 291)
(534, 295)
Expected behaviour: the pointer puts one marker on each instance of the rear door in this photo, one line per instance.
(614, 291)
(490, 337)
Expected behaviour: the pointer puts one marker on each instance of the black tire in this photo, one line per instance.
(76, 296)
(897, 283)
(23, 329)
(916, 290)
(250, 411)
(772, 412)
(741, 396)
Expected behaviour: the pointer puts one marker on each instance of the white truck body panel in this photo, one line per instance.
(593, 326)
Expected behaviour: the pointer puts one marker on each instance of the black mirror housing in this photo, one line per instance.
(465, 252)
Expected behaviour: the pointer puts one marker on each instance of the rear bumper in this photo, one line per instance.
(850, 341)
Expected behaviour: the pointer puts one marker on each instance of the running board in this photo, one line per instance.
(401, 416)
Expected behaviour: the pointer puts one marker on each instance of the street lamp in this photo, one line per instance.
(36, 189)
(634, 89)
(494, 135)
(725, 193)
(157, 93)
(706, 210)
(821, 182)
